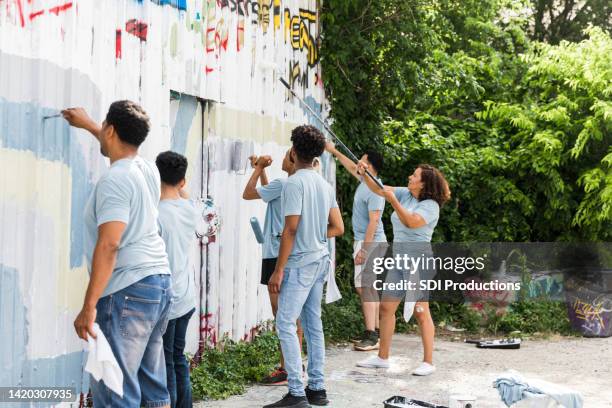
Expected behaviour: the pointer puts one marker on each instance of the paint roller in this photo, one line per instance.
(266, 65)
(257, 230)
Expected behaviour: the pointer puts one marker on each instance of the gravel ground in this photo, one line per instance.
(584, 365)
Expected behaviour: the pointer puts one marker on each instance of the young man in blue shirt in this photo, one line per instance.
(311, 216)
(129, 290)
(270, 193)
(367, 229)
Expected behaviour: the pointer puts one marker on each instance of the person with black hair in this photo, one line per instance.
(270, 193)
(129, 291)
(367, 229)
(177, 224)
(311, 217)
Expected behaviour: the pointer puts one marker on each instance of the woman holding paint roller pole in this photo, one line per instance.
(417, 209)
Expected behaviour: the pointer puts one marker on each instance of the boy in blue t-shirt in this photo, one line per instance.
(177, 224)
(311, 215)
(270, 193)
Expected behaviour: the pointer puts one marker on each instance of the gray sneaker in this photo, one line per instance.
(369, 342)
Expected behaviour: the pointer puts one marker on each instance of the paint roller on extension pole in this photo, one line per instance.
(336, 138)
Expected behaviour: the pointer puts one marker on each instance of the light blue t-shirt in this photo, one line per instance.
(129, 192)
(308, 195)
(177, 223)
(365, 201)
(428, 209)
(274, 221)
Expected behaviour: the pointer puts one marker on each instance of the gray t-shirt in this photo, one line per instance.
(365, 201)
(274, 221)
(308, 195)
(428, 209)
(129, 193)
(177, 223)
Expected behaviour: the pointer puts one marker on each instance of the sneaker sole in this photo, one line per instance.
(370, 366)
(423, 375)
(366, 348)
(319, 403)
(276, 384)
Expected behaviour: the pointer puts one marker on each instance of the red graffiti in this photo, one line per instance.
(501, 297)
(56, 10)
(137, 28)
(35, 14)
(118, 43)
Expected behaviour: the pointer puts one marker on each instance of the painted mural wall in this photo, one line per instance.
(207, 73)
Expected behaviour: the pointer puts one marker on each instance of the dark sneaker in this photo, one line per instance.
(363, 336)
(368, 343)
(318, 398)
(290, 401)
(277, 377)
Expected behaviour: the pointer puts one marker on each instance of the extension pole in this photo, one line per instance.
(337, 139)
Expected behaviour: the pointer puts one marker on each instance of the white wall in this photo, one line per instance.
(220, 57)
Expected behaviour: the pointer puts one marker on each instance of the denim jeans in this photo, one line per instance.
(300, 297)
(133, 321)
(177, 368)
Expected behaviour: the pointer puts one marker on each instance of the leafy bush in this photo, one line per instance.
(225, 370)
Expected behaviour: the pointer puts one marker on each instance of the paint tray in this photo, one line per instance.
(500, 344)
(403, 402)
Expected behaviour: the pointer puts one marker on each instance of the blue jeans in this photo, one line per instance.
(133, 321)
(177, 368)
(300, 297)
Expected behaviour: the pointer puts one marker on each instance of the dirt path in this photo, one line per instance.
(584, 365)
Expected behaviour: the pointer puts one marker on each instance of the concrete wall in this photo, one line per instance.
(204, 71)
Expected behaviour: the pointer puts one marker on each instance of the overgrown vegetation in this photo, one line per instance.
(225, 370)
(521, 129)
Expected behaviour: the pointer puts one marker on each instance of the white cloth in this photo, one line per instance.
(332, 293)
(102, 364)
(408, 309)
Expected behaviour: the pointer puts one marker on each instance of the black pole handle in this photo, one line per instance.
(351, 155)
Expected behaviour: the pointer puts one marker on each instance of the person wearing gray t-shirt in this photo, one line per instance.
(416, 213)
(177, 224)
(367, 228)
(311, 214)
(270, 193)
(129, 291)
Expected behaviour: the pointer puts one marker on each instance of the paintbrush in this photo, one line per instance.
(57, 115)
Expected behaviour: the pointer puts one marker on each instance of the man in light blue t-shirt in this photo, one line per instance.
(270, 193)
(177, 224)
(129, 292)
(311, 216)
(367, 228)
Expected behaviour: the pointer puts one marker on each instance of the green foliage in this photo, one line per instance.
(534, 316)
(520, 129)
(224, 371)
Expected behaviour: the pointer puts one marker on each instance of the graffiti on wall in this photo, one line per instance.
(42, 273)
(24, 12)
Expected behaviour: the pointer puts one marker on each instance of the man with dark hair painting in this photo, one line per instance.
(311, 216)
(270, 193)
(177, 224)
(367, 228)
(129, 291)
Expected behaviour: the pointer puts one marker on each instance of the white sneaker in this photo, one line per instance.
(424, 369)
(374, 362)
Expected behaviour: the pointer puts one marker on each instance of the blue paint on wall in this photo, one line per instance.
(22, 127)
(179, 4)
(62, 371)
(188, 106)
